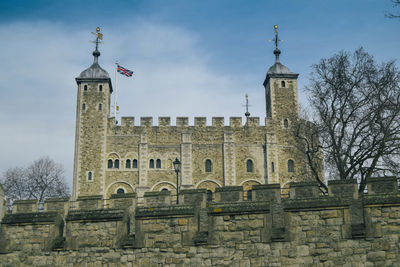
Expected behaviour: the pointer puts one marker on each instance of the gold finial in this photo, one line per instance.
(99, 36)
(276, 40)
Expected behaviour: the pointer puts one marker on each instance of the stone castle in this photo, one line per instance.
(126, 158)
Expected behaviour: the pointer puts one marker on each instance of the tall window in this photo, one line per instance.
(290, 165)
(101, 88)
(134, 163)
(85, 87)
(209, 195)
(208, 165)
(110, 164)
(286, 123)
(272, 167)
(151, 164)
(249, 165)
(283, 84)
(100, 106)
(83, 106)
(250, 195)
(128, 164)
(158, 163)
(116, 164)
(90, 176)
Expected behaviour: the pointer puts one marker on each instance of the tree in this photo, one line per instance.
(357, 104)
(42, 179)
(391, 15)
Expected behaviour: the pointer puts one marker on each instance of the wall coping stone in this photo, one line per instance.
(393, 198)
(229, 188)
(193, 191)
(89, 197)
(64, 199)
(26, 201)
(378, 179)
(156, 193)
(32, 217)
(95, 215)
(303, 184)
(177, 210)
(347, 181)
(238, 207)
(266, 186)
(314, 203)
(126, 195)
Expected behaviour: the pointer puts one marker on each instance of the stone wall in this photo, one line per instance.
(306, 229)
(2, 202)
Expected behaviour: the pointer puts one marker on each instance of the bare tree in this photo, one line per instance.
(357, 103)
(396, 3)
(42, 179)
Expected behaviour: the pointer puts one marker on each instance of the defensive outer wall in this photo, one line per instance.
(306, 229)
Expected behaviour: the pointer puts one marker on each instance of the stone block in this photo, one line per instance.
(304, 190)
(235, 122)
(343, 188)
(123, 201)
(218, 121)
(164, 121)
(90, 202)
(193, 196)
(23, 206)
(267, 192)
(161, 198)
(254, 121)
(128, 121)
(182, 121)
(200, 121)
(382, 185)
(229, 194)
(146, 121)
(60, 205)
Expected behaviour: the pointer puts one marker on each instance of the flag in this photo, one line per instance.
(123, 71)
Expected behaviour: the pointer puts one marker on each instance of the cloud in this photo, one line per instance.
(173, 77)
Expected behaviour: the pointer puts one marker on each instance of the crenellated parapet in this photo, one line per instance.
(119, 222)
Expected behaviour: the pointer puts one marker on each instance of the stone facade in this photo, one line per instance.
(2, 202)
(306, 229)
(137, 157)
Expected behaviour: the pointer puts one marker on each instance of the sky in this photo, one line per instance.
(190, 58)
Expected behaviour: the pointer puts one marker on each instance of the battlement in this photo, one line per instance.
(217, 122)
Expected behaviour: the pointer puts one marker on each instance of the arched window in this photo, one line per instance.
(209, 195)
(134, 163)
(83, 106)
(286, 123)
(116, 164)
(249, 165)
(151, 164)
(110, 164)
(250, 194)
(90, 176)
(208, 165)
(164, 190)
(272, 167)
(120, 191)
(290, 165)
(85, 87)
(283, 84)
(128, 164)
(158, 163)
(100, 106)
(101, 88)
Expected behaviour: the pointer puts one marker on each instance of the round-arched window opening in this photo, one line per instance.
(286, 123)
(164, 190)
(283, 84)
(151, 164)
(208, 166)
(249, 165)
(120, 191)
(209, 195)
(85, 87)
(290, 165)
(101, 88)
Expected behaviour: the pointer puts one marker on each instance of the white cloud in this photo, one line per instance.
(173, 77)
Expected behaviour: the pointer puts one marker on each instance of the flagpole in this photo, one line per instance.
(115, 93)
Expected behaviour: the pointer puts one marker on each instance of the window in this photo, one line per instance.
(290, 165)
(208, 165)
(272, 167)
(120, 191)
(249, 165)
(151, 164)
(116, 164)
(158, 163)
(100, 88)
(209, 195)
(100, 106)
(134, 163)
(90, 176)
(286, 123)
(128, 164)
(110, 164)
(83, 106)
(283, 84)
(164, 190)
(85, 88)
(250, 194)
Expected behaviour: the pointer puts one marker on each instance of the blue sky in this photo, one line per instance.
(191, 58)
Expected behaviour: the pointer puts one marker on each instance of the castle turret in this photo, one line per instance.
(92, 111)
